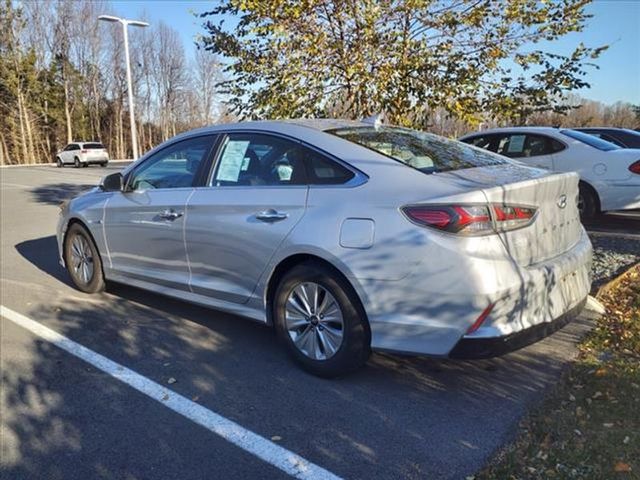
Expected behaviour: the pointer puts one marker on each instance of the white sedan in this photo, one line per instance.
(609, 175)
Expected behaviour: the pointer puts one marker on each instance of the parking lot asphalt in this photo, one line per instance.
(399, 417)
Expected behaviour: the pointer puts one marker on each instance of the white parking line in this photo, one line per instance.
(252, 443)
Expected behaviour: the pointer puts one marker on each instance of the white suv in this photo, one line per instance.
(83, 154)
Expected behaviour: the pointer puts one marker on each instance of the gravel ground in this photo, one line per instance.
(612, 256)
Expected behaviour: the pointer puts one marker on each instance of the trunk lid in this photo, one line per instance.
(556, 227)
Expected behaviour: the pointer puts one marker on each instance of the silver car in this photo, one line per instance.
(345, 236)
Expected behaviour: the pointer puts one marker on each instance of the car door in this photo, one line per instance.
(256, 194)
(68, 153)
(144, 224)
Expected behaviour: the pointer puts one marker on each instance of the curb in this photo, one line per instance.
(615, 281)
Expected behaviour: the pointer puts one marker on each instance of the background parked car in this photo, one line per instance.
(609, 175)
(623, 137)
(83, 154)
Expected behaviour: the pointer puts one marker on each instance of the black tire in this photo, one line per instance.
(355, 346)
(59, 163)
(76, 162)
(85, 165)
(587, 203)
(103, 164)
(95, 282)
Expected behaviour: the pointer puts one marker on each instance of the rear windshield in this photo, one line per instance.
(422, 151)
(590, 140)
(93, 146)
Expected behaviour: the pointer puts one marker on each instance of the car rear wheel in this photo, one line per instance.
(76, 162)
(320, 322)
(83, 260)
(587, 202)
(103, 164)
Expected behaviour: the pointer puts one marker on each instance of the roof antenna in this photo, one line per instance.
(376, 120)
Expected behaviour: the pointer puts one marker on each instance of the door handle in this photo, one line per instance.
(170, 214)
(271, 215)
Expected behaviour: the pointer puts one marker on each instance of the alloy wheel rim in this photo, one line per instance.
(81, 259)
(314, 321)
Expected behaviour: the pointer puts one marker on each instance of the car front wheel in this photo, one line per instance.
(83, 260)
(76, 162)
(320, 321)
(58, 163)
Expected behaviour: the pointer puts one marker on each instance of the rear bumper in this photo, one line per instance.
(477, 348)
(430, 311)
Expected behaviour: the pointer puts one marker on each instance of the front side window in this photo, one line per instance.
(248, 159)
(173, 167)
(422, 151)
(590, 140)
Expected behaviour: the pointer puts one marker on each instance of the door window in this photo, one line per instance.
(518, 145)
(176, 166)
(257, 159)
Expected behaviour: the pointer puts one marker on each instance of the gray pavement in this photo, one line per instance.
(399, 417)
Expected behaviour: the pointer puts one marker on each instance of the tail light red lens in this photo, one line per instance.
(83, 151)
(635, 167)
(470, 219)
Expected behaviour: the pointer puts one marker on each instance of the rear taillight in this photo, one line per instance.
(635, 167)
(83, 151)
(470, 219)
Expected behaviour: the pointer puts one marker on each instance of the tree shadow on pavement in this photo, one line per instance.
(55, 193)
(398, 417)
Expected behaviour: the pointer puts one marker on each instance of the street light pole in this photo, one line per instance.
(125, 23)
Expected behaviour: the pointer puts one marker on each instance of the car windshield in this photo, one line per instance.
(93, 146)
(423, 151)
(590, 140)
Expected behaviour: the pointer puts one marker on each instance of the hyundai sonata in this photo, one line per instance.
(345, 236)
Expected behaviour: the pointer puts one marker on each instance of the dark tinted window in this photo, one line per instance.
(257, 159)
(590, 140)
(485, 141)
(175, 166)
(93, 146)
(423, 151)
(519, 145)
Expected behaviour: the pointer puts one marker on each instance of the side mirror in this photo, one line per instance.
(112, 183)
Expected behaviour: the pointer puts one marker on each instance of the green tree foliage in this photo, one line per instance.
(290, 58)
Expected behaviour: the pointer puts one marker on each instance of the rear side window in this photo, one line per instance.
(590, 140)
(93, 146)
(322, 171)
(248, 159)
(422, 151)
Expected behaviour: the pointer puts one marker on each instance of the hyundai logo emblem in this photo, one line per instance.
(562, 201)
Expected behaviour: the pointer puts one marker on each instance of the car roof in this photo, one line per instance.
(319, 124)
(547, 130)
